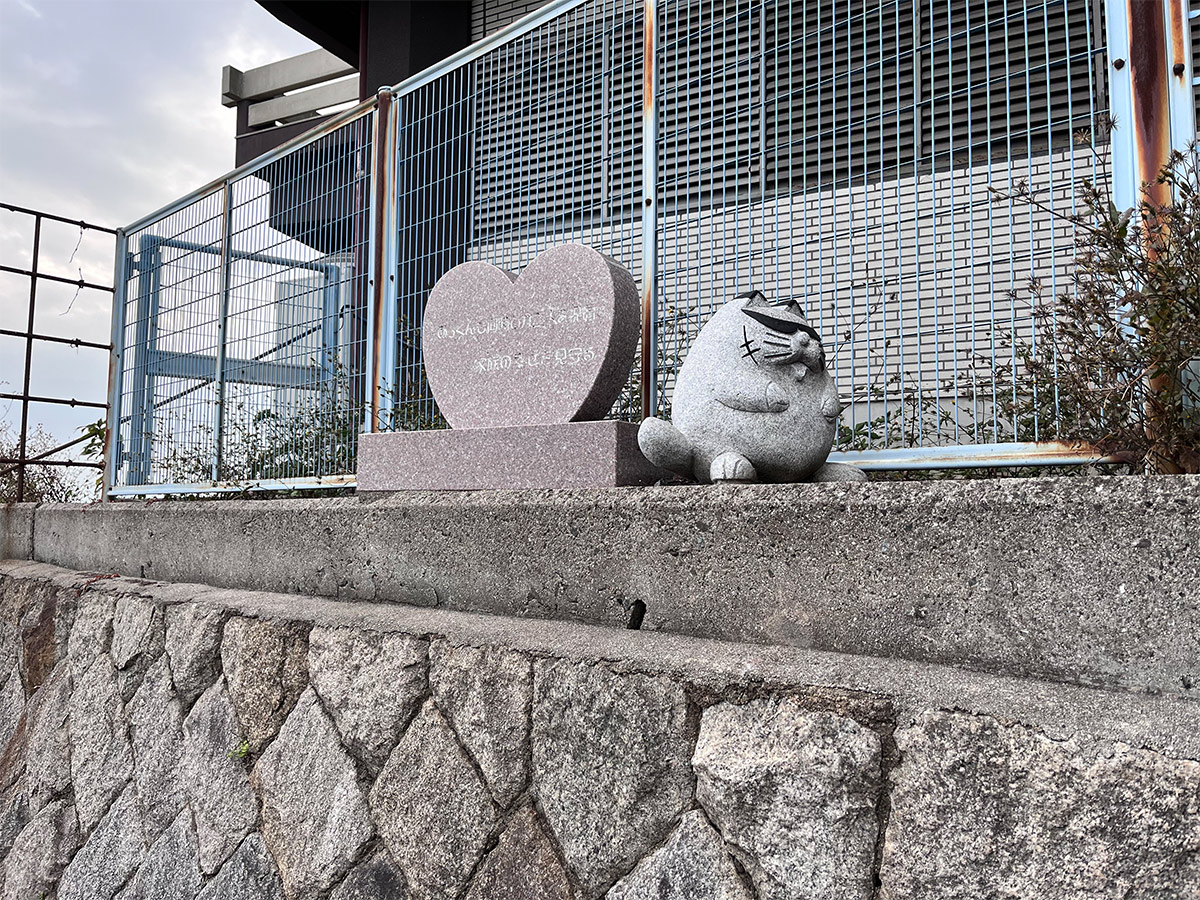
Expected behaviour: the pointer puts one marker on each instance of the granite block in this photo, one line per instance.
(568, 455)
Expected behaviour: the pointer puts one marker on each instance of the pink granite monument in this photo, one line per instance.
(522, 367)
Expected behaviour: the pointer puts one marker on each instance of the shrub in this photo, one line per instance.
(1118, 353)
(43, 484)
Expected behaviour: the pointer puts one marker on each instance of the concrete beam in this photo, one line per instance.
(302, 103)
(1087, 580)
(277, 78)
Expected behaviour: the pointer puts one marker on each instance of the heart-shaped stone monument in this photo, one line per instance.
(522, 368)
(552, 345)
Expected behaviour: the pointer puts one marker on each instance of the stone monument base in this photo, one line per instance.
(570, 455)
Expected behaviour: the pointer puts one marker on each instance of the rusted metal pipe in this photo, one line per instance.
(74, 282)
(38, 461)
(86, 226)
(43, 458)
(49, 338)
(1008, 455)
(1151, 104)
(29, 398)
(1177, 40)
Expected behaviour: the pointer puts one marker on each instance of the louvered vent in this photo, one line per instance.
(534, 104)
(807, 94)
(844, 103)
(710, 102)
(835, 92)
(1005, 80)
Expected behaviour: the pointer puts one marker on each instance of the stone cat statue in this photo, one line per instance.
(753, 401)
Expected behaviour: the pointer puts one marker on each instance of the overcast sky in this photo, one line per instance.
(108, 111)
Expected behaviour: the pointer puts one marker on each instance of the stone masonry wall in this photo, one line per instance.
(181, 742)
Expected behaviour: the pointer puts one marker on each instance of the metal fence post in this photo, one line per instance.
(22, 439)
(116, 365)
(650, 210)
(384, 235)
(1150, 83)
(1180, 85)
(223, 327)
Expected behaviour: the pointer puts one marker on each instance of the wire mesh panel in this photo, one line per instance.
(295, 369)
(874, 160)
(531, 144)
(905, 170)
(172, 302)
(244, 326)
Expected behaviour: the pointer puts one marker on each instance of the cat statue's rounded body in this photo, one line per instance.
(753, 401)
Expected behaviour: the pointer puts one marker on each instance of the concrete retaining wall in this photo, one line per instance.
(1086, 580)
(177, 741)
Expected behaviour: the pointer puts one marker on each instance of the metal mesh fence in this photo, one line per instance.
(172, 310)
(531, 144)
(852, 156)
(905, 170)
(244, 326)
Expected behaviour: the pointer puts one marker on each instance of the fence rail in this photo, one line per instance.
(867, 159)
(21, 462)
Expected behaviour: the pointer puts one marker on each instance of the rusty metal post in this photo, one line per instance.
(24, 434)
(650, 209)
(1150, 118)
(1181, 76)
(1150, 85)
(384, 234)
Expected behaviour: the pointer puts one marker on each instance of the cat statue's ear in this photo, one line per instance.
(757, 300)
(754, 298)
(790, 306)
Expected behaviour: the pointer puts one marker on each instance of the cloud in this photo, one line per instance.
(110, 110)
(26, 6)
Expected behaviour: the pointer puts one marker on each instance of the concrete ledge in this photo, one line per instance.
(16, 531)
(1087, 580)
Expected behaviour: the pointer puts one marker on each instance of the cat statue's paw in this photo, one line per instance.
(731, 466)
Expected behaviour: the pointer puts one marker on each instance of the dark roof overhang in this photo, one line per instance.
(334, 24)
